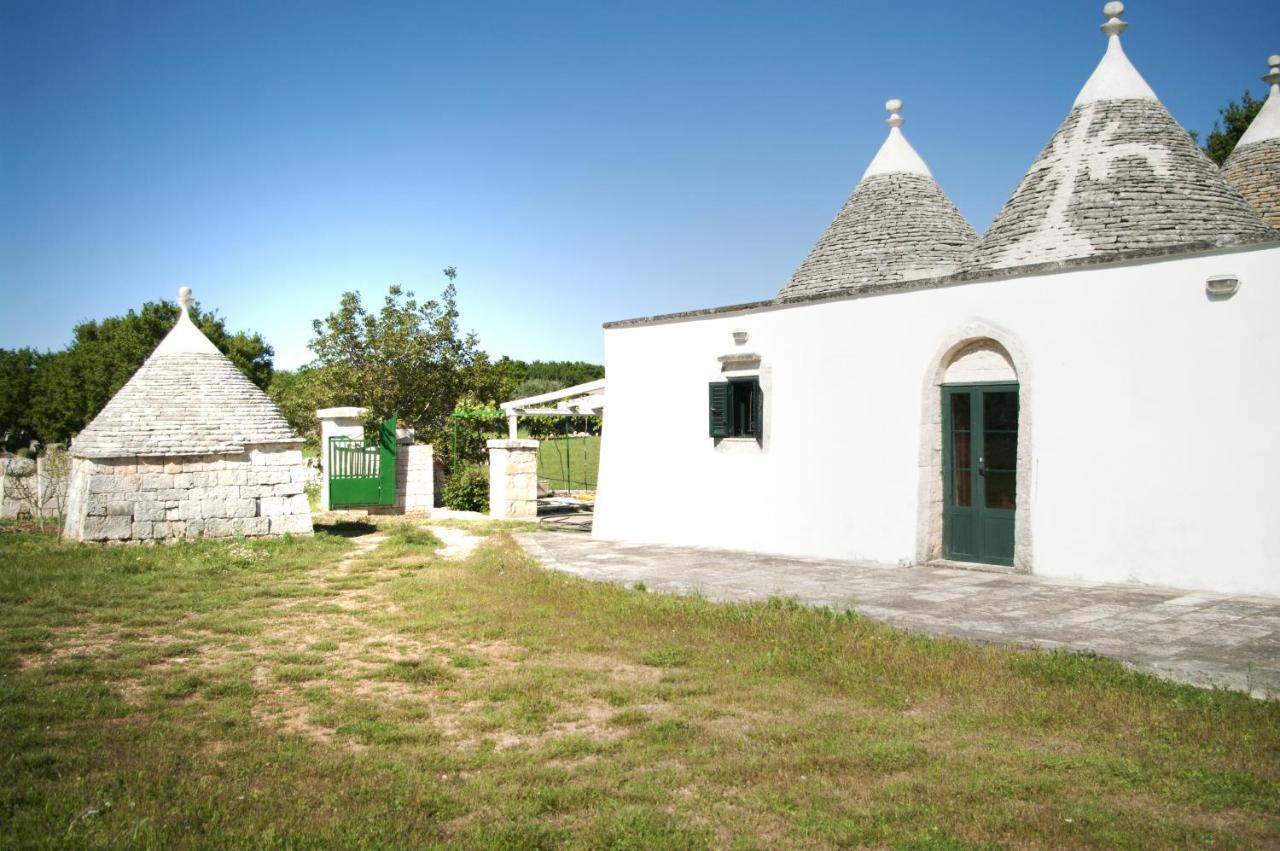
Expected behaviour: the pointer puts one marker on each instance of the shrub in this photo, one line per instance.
(468, 489)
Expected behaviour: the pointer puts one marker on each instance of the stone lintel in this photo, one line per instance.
(341, 413)
(512, 444)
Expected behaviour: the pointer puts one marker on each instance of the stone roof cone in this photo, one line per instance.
(186, 399)
(1254, 166)
(898, 225)
(1120, 177)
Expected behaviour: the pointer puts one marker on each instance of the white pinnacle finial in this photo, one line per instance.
(1114, 26)
(1274, 76)
(896, 154)
(894, 108)
(1266, 125)
(1115, 78)
(185, 338)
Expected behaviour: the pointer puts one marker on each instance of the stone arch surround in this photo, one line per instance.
(929, 502)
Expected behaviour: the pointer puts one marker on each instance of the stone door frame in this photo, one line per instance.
(929, 529)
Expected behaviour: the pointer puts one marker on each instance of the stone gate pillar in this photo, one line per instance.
(513, 479)
(336, 422)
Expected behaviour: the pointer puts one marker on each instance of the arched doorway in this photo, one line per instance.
(975, 486)
(979, 455)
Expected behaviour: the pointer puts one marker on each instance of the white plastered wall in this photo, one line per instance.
(1152, 458)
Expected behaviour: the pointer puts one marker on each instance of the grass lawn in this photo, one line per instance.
(579, 461)
(363, 693)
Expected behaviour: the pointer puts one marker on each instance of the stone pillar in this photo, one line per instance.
(336, 422)
(419, 494)
(513, 479)
(415, 477)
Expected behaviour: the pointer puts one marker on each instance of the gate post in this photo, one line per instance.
(336, 422)
(513, 479)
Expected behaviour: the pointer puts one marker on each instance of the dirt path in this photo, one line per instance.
(458, 543)
(336, 633)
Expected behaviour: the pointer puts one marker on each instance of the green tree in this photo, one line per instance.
(407, 360)
(18, 369)
(299, 394)
(1236, 118)
(536, 387)
(72, 386)
(561, 373)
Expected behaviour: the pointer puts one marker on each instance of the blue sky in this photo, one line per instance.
(577, 161)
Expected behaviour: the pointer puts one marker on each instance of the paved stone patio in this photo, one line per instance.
(1200, 638)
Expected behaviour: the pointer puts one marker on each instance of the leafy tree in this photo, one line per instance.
(536, 387)
(73, 385)
(18, 369)
(407, 360)
(299, 394)
(1236, 118)
(563, 373)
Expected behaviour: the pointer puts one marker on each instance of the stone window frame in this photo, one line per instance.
(746, 366)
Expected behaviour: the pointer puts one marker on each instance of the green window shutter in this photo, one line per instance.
(755, 425)
(720, 397)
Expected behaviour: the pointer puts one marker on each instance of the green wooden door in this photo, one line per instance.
(980, 463)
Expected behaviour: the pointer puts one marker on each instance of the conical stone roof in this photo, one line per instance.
(1254, 166)
(186, 399)
(898, 225)
(1119, 177)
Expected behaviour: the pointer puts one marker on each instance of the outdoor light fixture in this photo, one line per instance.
(739, 337)
(1222, 286)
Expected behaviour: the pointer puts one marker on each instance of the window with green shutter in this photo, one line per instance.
(720, 398)
(736, 408)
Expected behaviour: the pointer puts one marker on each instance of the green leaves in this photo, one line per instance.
(56, 395)
(1236, 117)
(407, 359)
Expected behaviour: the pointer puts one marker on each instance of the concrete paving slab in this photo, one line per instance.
(1206, 639)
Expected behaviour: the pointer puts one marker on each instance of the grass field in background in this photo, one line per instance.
(260, 694)
(582, 455)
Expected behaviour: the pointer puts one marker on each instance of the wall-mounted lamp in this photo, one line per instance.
(739, 337)
(1221, 286)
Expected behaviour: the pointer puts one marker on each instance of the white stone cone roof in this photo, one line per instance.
(186, 399)
(1120, 177)
(1254, 166)
(898, 225)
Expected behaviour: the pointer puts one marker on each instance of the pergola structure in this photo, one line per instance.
(578, 400)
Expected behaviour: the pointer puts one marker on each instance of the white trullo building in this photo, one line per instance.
(189, 447)
(1088, 390)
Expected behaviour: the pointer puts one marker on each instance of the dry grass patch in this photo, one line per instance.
(388, 686)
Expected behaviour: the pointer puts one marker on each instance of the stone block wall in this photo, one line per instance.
(513, 479)
(1252, 169)
(28, 487)
(256, 492)
(415, 480)
(12, 473)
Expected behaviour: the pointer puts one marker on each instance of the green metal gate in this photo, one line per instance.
(363, 472)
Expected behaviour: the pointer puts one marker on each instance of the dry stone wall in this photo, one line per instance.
(13, 472)
(1255, 171)
(894, 227)
(256, 492)
(1118, 177)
